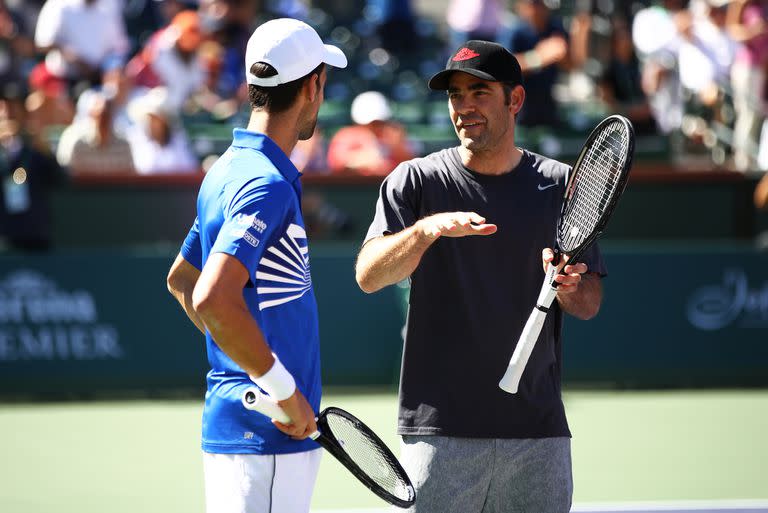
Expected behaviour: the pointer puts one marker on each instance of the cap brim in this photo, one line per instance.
(335, 57)
(439, 82)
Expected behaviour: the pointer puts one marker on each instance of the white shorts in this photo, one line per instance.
(254, 483)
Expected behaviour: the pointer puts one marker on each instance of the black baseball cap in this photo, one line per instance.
(482, 59)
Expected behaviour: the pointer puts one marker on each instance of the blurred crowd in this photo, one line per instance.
(110, 85)
(114, 86)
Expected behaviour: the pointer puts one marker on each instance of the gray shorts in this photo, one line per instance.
(476, 475)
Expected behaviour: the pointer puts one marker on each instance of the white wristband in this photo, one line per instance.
(277, 381)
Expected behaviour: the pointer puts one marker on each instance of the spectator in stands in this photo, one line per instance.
(229, 23)
(17, 49)
(747, 22)
(473, 19)
(619, 86)
(539, 41)
(29, 10)
(145, 17)
(375, 144)
(117, 86)
(81, 38)
(710, 39)
(656, 34)
(48, 104)
(27, 173)
(168, 9)
(394, 21)
(90, 144)
(157, 139)
(704, 60)
(591, 31)
(171, 59)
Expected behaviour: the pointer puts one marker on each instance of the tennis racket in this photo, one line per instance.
(351, 442)
(596, 183)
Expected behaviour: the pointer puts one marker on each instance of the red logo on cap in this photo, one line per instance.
(465, 54)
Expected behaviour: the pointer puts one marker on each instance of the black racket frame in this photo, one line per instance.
(611, 206)
(329, 442)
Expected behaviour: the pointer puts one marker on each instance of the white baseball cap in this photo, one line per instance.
(370, 106)
(290, 46)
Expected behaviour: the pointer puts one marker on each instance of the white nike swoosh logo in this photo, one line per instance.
(546, 186)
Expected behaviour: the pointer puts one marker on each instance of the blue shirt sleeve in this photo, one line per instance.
(191, 249)
(257, 212)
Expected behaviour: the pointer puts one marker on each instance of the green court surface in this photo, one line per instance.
(129, 456)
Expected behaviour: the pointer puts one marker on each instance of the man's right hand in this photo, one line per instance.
(301, 414)
(454, 224)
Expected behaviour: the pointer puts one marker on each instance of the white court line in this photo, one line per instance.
(369, 510)
(714, 505)
(720, 506)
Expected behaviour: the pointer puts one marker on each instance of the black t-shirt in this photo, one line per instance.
(470, 298)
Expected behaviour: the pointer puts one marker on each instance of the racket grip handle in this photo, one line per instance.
(254, 399)
(511, 379)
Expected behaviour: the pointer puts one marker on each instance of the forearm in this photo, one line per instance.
(236, 333)
(391, 258)
(733, 24)
(185, 300)
(584, 302)
(218, 301)
(181, 282)
(549, 51)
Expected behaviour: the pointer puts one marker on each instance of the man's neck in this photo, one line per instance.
(491, 162)
(281, 128)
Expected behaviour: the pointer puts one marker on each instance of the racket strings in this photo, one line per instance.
(367, 453)
(598, 175)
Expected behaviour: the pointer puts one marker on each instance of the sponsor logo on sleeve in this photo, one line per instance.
(251, 221)
(250, 239)
(258, 224)
(244, 220)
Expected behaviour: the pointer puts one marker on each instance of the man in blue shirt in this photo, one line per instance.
(243, 278)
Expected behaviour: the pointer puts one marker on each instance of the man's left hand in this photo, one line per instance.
(568, 283)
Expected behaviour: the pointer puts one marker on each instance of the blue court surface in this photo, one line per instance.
(745, 506)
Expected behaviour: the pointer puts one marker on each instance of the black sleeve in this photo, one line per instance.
(594, 260)
(398, 205)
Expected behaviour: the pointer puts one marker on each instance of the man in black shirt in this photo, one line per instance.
(471, 227)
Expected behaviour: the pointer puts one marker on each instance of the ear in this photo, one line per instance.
(312, 87)
(518, 97)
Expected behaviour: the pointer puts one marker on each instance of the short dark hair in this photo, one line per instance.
(507, 87)
(278, 98)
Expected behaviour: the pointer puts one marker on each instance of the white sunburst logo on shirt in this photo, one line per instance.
(283, 273)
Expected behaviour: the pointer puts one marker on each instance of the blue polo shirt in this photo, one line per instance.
(249, 207)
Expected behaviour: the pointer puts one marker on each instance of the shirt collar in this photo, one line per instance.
(243, 138)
